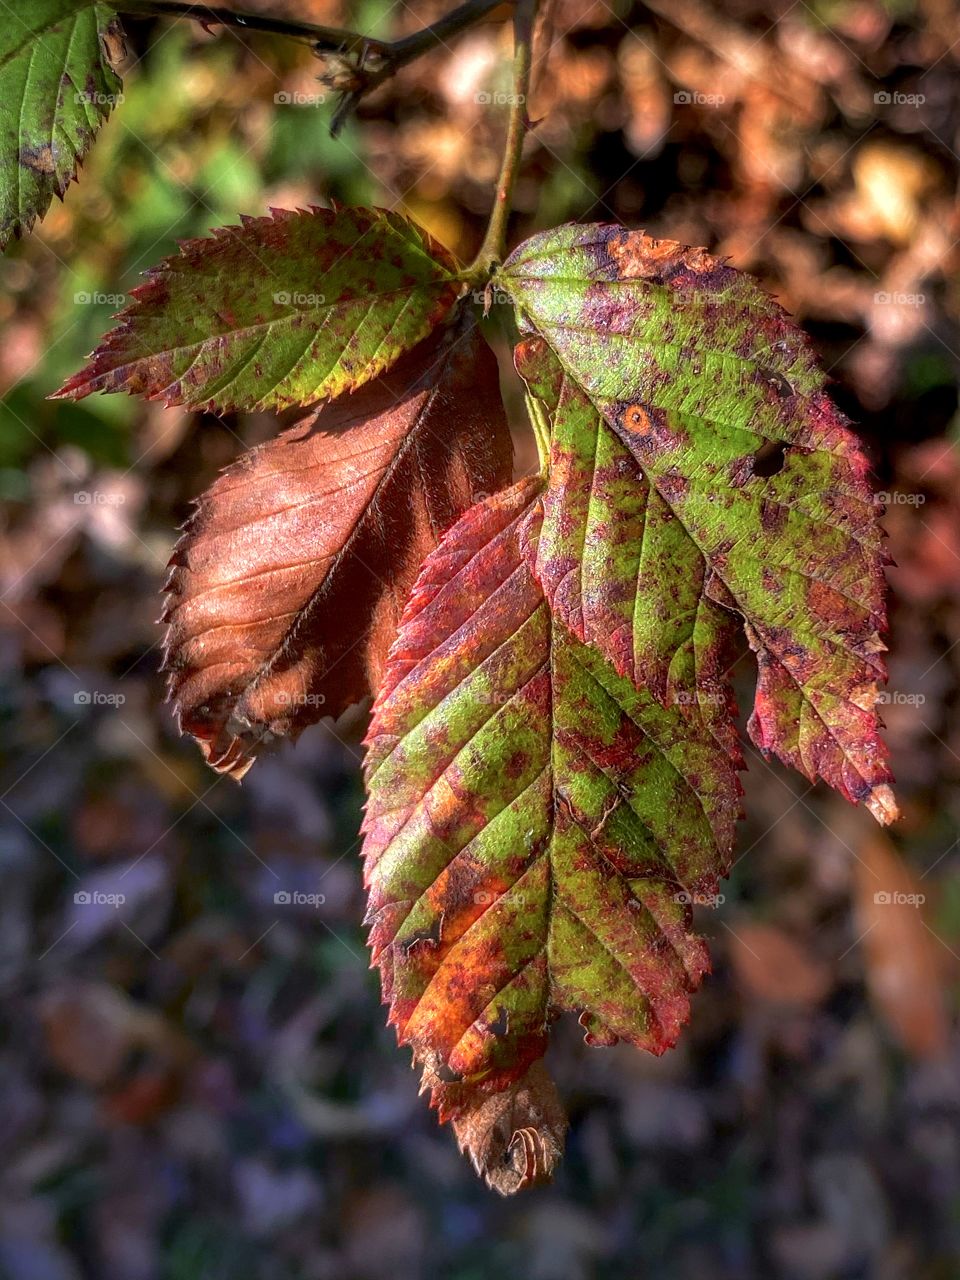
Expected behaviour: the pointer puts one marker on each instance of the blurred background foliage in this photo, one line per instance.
(195, 1082)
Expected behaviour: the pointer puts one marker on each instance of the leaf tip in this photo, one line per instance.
(882, 803)
(514, 1136)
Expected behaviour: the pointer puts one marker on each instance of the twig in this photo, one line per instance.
(494, 242)
(377, 60)
(357, 63)
(323, 39)
(392, 53)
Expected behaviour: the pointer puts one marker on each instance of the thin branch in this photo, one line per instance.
(393, 53)
(323, 39)
(465, 15)
(389, 58)
(356, 64)
(494, 242)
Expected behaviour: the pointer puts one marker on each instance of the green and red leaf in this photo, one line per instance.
(284, 310)
(617, 566)
(289, 581)
(718, 399)
(535, 829)
(57, 86)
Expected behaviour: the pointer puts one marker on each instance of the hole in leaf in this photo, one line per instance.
(769, 458)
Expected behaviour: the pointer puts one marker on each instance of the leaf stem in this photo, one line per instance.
(495, 241)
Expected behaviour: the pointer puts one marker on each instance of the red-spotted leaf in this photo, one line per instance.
(617, 566)
(291, 576)
(718, 398)
(57, 86)
(535, 829)
(280, 311)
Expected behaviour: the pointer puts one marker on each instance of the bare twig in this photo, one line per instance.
(385, 55)
(331, 39)
(358, 64)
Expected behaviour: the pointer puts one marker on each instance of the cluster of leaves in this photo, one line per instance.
(553, 753)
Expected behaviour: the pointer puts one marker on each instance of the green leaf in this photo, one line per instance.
(284, 310)
(609, 546)
(536, 829)
(57, 86)
(718, 399)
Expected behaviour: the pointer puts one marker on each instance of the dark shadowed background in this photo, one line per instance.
(196, 1082)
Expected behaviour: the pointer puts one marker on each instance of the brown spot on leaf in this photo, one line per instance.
(637, 420)
(112, 43)
(673, 485)
(639, 256)
(38, 159)
(773, 515)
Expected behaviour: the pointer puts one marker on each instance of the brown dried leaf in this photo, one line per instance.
(288, 583)
(514, 1136)
(773, 967)
(903, 959)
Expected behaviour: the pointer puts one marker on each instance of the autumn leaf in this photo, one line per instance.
(718, 398)
(535, 829)
(904, 960)
(604, 556)
(57, 86)
(285, 310)
(289, 581)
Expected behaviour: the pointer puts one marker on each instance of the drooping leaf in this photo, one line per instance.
(290, 578)
(535, 829)
(284, 310)
(718, 398)
(57, 86)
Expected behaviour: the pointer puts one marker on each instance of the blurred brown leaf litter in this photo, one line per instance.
(196, 1081)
